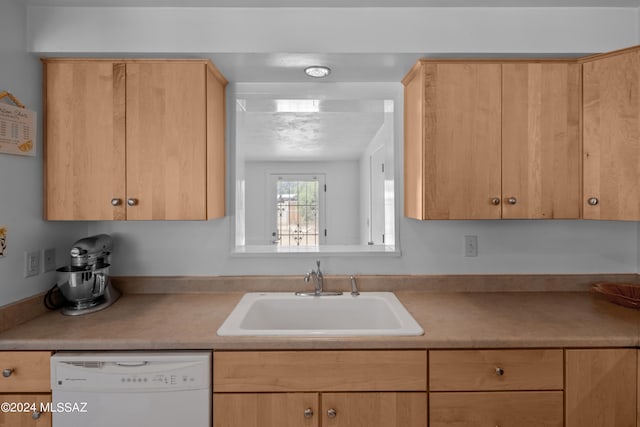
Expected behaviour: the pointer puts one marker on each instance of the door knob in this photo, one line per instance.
(495, 201)
(132, 202)
(308, 413)
(499, 371)
(116, 202)
(7, 372)
(593, 201)
(512, 200)
(331, 413)
(36, 415)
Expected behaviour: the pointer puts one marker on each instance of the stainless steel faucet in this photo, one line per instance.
(318, 281)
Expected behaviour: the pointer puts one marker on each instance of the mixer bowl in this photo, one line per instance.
(81, 285)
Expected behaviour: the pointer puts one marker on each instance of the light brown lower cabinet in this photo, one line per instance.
(24, 386)
(601, 386)
(265, 409)
(383, 409)
(326, 388)
(503, 409)
(375, 409)
(25, 415)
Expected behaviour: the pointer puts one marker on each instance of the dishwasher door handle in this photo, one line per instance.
(131, 364)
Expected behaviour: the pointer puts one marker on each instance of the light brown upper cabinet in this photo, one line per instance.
(611, 153)
(133, 139)
(490, 140)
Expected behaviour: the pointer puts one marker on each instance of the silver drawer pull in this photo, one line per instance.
(308, 413)
(7, 372)
(499, 371)
(331, 413)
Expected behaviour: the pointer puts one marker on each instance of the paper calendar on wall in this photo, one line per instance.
(17, 130)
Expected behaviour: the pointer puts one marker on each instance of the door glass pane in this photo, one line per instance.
(297, 212)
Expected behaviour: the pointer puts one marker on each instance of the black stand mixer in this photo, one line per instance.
(85, 284)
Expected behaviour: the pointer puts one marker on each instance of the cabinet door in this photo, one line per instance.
(414, 144)
(166, 140)
(541, 152)
(265, 410)
(601, 388)
(216, 157)
(611, 153)
(84, 149)
(461, 132)
(374, 409)
(27, 418)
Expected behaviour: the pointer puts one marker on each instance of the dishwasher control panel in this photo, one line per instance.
(127, 372)
(162, 379)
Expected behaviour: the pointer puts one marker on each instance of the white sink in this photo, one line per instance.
(286, 314)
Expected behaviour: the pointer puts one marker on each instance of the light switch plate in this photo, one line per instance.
(470, 246)
(31, 263)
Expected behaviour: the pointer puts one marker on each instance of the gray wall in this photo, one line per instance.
(21, 177)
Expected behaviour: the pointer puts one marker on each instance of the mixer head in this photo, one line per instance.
(92, 252)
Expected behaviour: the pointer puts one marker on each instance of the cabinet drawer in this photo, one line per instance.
(27, 371)
(265, 409)
(504, 409)
(267, 371)
(480, 370)
(26, 403)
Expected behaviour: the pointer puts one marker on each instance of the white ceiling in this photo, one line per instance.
(340, 130)
(289, 67)
(341, 3)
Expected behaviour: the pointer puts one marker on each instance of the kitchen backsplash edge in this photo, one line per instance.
(428, 283)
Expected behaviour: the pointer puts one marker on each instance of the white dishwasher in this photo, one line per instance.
(160, 389)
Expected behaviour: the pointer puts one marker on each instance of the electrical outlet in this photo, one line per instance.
(31, 263)
(471, 246)
(48, 260)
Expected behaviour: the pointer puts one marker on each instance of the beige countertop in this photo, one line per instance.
(450, 320)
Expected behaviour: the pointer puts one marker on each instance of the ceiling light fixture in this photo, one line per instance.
(317, 71)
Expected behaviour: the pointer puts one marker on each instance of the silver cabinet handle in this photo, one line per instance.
(132, 202)
(495, 201)
(499, 371)
(331, 413)
(116, 202)
(308, 413)
(36, 415)
(512, 200)
(593, 201)
(7, 372)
